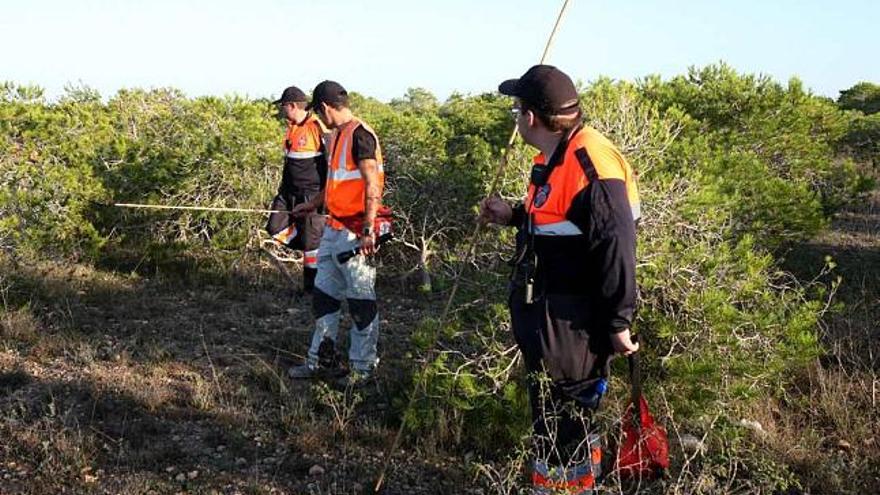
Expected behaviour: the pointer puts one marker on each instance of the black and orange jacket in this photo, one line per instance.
(305, 163)
(583, 219)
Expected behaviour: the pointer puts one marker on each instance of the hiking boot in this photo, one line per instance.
(307, 372)
(302, 372)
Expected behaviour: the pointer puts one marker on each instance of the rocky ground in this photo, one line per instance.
(117, 382)
(130, 379)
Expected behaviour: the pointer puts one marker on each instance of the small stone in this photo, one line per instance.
(316, 470)
(221, 448)
(240, 461)
(754, 426)
(176, 438)
(170, 469)
(844, 445)
(88, 478)
(192, 475)
(692, 444)
(180, 477)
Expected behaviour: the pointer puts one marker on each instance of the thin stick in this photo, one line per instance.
(195, 208)
(502, 165)
(553, 33)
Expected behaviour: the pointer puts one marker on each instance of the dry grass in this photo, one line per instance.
(827, 426)
(119, 383)
(122, 383)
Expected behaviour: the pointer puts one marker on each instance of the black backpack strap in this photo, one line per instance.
(586, 164)
(553, 160)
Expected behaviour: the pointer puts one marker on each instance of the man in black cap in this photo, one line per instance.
(302, 180)
(352, 198)
(573, 290)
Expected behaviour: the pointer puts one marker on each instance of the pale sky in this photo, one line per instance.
(381, 48)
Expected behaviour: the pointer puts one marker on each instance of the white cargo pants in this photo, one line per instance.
(354, 281)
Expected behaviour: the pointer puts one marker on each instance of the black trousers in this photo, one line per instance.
(309, 229)
(564, 364)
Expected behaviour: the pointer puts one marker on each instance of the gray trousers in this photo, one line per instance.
(355, 282)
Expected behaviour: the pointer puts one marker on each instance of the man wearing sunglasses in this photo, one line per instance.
(302, 180)
(573, 290)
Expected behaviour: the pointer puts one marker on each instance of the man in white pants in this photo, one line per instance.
(352, 197)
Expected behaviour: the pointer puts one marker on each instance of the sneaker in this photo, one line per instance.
(302, 372)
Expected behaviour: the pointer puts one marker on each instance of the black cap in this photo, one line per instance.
(328, 92)
(291, 94)
(544, 87)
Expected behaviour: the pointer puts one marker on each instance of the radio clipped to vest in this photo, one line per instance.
(525, 261)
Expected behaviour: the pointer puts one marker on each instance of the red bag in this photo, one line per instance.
(382, 225)
(644, 449)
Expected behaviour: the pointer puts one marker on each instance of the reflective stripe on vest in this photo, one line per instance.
(297, 155)
(557, 229)
(343, 175)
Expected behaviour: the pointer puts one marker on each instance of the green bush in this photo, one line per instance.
(730, 166)
(48, 182)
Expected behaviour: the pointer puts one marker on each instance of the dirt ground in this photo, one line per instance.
(128, 379)
(116, 382)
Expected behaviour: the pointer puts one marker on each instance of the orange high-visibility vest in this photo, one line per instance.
(345, 194)
(589, 156)
(304, 140)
